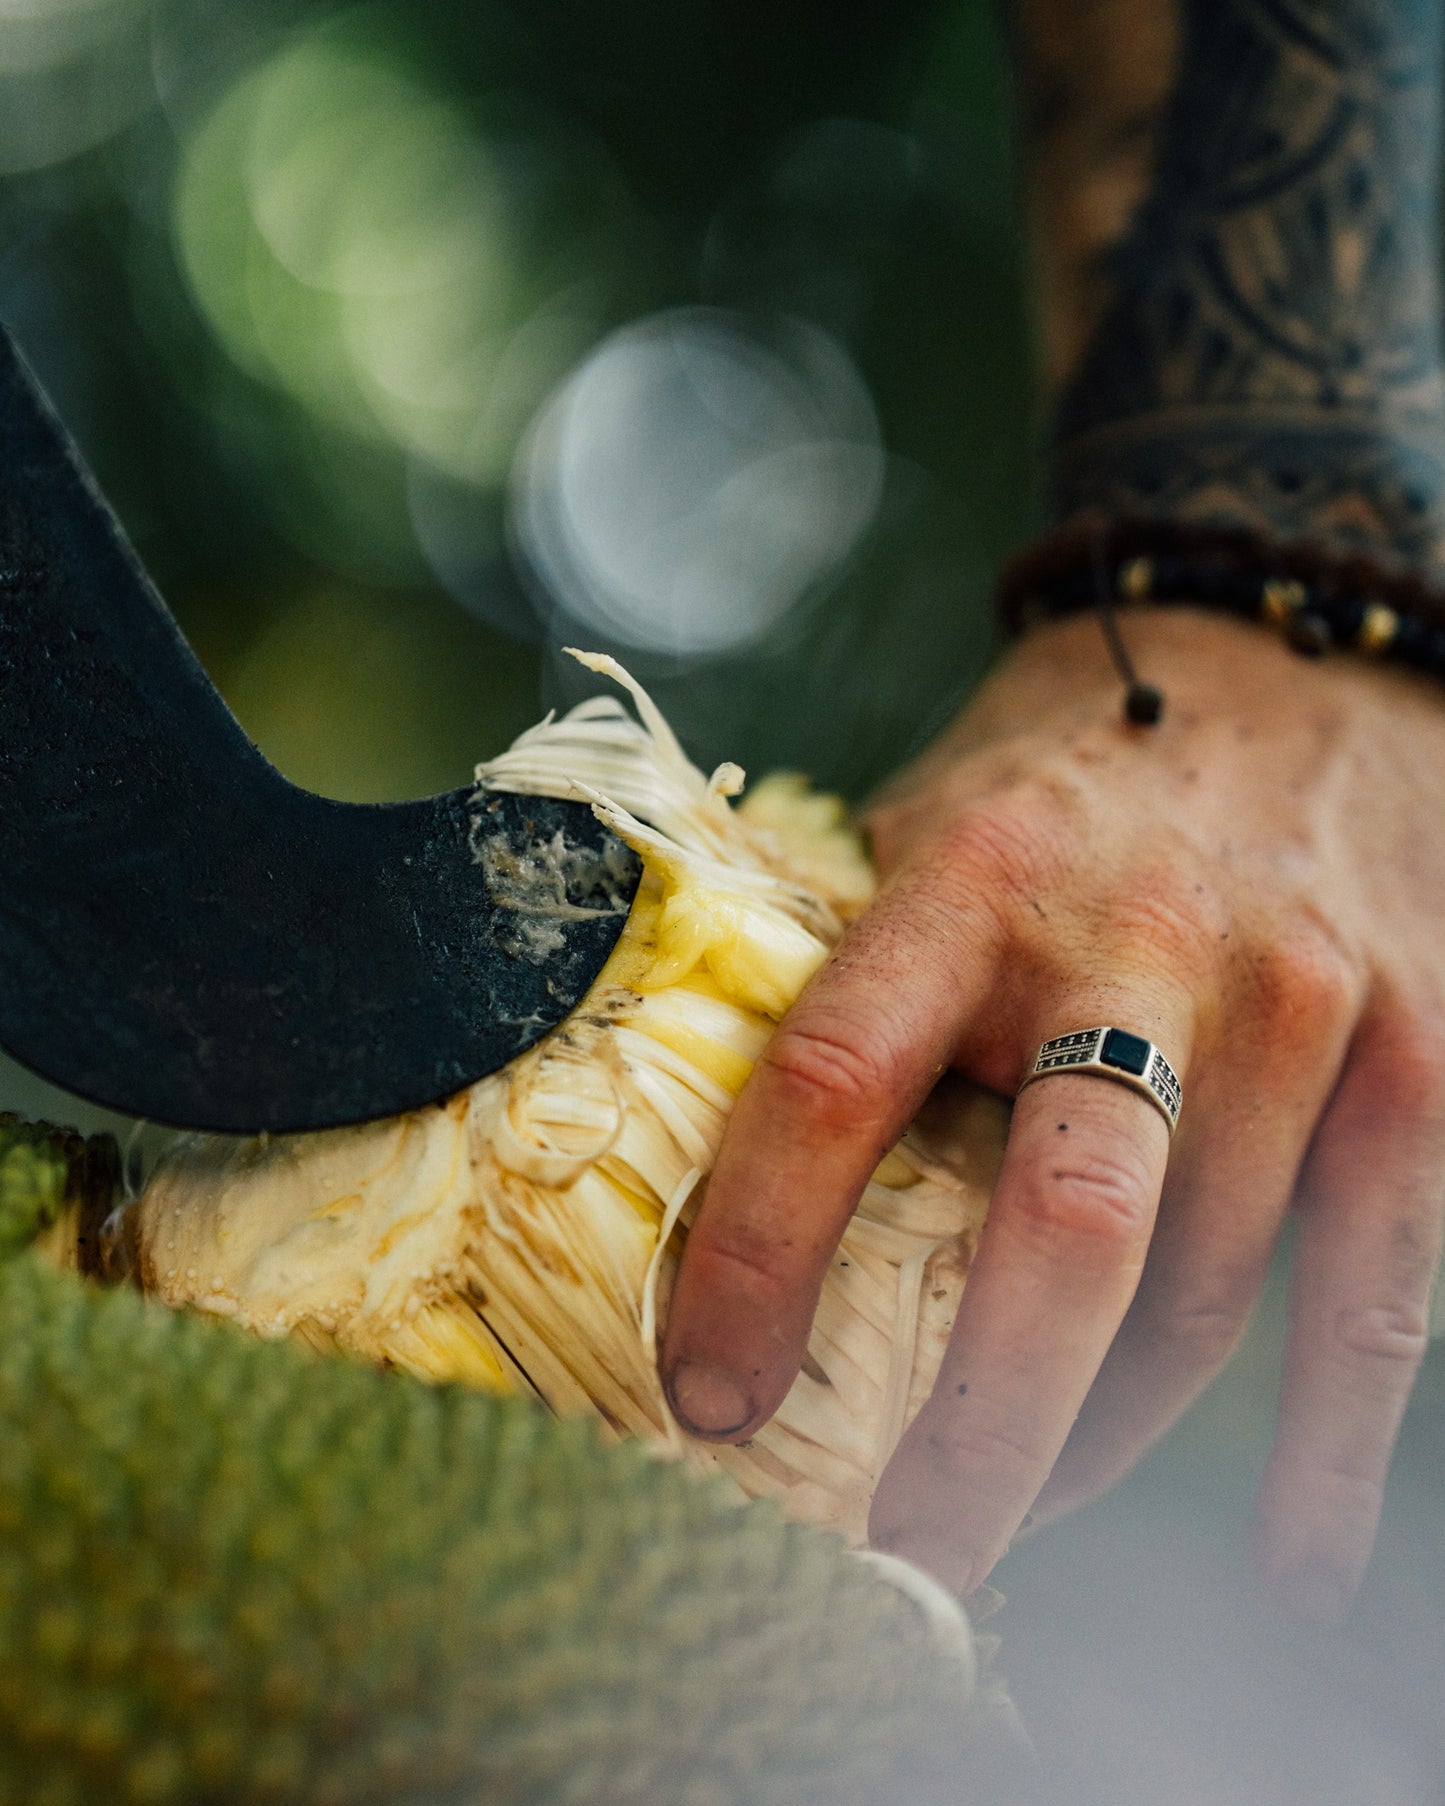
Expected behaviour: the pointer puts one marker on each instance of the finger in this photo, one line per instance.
(1057, 1265)
(1233, 1172)
(1372, 1200)
(835, 1087)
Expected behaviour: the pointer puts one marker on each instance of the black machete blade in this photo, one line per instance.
(186, 936)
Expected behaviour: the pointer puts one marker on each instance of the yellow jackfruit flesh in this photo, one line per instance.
(522, 1236)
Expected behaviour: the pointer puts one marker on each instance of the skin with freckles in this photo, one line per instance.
(1224, 885)
(1241, 314)
(1255, 912)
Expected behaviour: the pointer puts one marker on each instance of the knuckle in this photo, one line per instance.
(1005, 847)
(1393, 1337)
(1305, 984)
(1097, 1200)
(829, 1071)
(1412, 1069)
(1171, 917)
(1342, 1484)
(1330, 1497)
(1353, 1488)
(742, 1266)
(888, 827)
(990, 1443)
(1203, 1332)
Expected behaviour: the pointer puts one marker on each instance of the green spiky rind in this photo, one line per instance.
(232, 1571)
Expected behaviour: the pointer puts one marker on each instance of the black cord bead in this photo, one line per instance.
(1143, 705)
(1309, 633)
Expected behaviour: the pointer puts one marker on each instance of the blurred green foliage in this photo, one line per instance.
(288, 267)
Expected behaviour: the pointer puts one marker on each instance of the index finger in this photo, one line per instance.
(834, 1089)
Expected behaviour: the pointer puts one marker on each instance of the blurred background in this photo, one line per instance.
(414, 342)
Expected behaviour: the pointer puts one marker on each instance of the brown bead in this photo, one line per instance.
(1378, 628)
(1281, 599)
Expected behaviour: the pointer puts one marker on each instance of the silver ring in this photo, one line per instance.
(1113, 1053)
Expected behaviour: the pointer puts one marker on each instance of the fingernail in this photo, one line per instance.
(708, 1400)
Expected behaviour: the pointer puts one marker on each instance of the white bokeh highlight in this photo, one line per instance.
(695, 478)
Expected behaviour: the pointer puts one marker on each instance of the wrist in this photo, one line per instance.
(1265, 353)
(1315, 599)
(1211, 667)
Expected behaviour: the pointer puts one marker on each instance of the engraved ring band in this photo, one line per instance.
(1113, 1053)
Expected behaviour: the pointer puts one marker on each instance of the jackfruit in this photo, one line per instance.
(522, 1236)
(235, 1571)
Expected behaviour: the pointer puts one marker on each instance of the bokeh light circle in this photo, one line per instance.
(696, 477)
(72, 74)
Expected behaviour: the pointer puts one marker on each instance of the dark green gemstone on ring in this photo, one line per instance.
(1128, 1052)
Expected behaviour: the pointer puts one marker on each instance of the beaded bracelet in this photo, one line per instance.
(1320, 598)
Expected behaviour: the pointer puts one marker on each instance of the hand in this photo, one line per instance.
(1256, 886)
